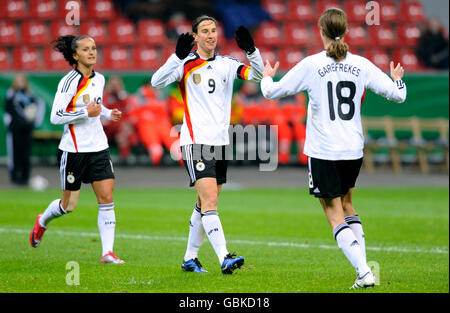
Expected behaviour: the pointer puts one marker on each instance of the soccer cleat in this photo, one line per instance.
(230, 263)
(111, 258)
(37, 233)
(193, 265)
(368, 280)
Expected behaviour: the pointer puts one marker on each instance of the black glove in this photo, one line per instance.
(185, 44)
(244, 39)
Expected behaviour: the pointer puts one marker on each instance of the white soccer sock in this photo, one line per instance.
(348, 243)
(54, 210)
(196, 234)
(214, 231)
(106, 226)
(354, 222)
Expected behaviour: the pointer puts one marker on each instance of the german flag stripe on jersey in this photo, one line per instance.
(189, 67)
(72, 104)
(243, 71)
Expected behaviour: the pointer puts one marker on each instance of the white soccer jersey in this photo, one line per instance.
(207, 88)
(336, 91)
(75, 92)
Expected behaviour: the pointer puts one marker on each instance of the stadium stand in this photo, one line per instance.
(294, 24)
(28, 26)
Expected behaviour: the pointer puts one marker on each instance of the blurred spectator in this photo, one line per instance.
(433, 50)
(257, 110)
(122, 132)
(23, 112)
(294, 111)
(176, 106)
(177, 25)
(152, 121)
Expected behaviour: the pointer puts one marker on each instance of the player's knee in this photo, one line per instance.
(348, 208)
(209, 202)
(106, 198)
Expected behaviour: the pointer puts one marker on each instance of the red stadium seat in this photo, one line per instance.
(323, 5)
(45, 9)
(15, 9)
(289, 57)
(96, 30)
(146, 57)
(168, 49)
(231, 49)
(4, 61)
(60, 28)
(54, 60)
(356, 36)
(296, 34)
(408, 35)
(151, 32)
(412, 11)
(122, 31)
(267, 54)
(26, 58)
(101, 9)
(314, 34)
(9, 34)
(355, 10)
(301, 11)
(389, 12)
(116, 58)
(382, 35)
(275, 8)
(35, 32)
(408, 59)
(379, 57)
(268, 34)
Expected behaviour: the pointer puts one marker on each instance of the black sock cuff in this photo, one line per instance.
(211, 212)
(353, 219)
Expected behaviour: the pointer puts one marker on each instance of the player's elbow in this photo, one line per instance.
(55, 120)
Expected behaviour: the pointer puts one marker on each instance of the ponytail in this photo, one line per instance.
(67, 45)
(337, 50)
(334, 25)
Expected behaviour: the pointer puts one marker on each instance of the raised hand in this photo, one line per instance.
(244, 39)
(397, 72)
(185, 44)
(269, 70)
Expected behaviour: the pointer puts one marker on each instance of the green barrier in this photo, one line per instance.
(428, 97)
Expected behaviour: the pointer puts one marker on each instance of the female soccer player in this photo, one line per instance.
(206, 84)
(336, 80)
(83, 151)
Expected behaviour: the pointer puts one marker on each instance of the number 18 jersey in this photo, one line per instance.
(336, 91)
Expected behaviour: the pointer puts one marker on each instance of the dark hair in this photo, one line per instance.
(334, 25)
(200, 19)
(67, 45)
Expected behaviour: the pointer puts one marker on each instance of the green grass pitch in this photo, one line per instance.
(282, 233)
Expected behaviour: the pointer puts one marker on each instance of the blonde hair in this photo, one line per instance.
(334, 25)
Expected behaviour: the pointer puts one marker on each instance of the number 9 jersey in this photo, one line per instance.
(207, 89)
(336, 91)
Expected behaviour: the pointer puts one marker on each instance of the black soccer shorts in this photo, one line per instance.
(332, 179)
(86, 167)
(205, 161)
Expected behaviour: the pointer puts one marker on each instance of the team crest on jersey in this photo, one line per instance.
(197, 78)
(70, 178)
(86, 99)
(200, 166)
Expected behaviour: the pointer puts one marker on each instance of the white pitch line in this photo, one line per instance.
(437, 250)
